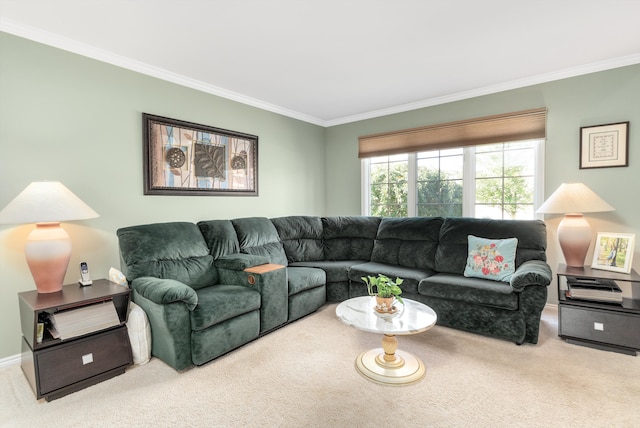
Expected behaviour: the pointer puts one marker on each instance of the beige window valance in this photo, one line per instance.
(501, 128)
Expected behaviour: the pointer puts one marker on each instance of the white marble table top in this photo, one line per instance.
(412, 317)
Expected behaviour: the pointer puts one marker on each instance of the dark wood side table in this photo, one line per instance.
(57, 367)
(601, 325)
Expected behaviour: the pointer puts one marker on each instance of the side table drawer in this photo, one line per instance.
(600, 326)
(81, 359)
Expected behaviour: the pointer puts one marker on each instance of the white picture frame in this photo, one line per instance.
(614, 252)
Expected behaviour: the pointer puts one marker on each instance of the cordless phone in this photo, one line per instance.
(85, 279)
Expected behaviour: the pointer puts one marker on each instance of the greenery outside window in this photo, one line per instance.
(439, 186)
(501, 180)
(389, 179)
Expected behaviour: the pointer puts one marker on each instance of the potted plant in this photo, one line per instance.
(385, 290)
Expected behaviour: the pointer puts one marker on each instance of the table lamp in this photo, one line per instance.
(48, 247)
(574, 232)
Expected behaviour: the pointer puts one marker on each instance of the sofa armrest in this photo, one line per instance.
(532, 272)
(164, 291)
(270, 280)
(240, 261)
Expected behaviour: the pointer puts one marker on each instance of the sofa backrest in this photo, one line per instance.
(169, 251)
(452, 251)
(258, 236)
(301, 237)
(220, 237)
(349, 238)
(408, 241)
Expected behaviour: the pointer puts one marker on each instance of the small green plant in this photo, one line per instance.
(383, 286)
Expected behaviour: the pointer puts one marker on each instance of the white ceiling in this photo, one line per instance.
(336, 61)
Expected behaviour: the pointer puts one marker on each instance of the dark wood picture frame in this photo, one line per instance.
(183, 158)
(604, 146)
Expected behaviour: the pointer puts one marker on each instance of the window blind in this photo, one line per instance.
(501, 128)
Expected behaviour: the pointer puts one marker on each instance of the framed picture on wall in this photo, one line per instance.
(614, 251)
(604, 146)
(183, 158)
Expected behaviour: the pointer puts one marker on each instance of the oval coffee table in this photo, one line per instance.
(388, 365)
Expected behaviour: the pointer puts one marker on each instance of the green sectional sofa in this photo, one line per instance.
(213, 286)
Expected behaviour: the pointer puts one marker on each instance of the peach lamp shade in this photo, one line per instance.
(48, 247)
(574, 232)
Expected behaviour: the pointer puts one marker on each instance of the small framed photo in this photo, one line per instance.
(614, 251)
(604, 146)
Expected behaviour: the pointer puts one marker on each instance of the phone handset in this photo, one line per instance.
(85, 278)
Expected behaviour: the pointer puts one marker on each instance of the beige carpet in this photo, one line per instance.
(304, 376)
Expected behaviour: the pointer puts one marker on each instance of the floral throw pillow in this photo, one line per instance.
(493, 259)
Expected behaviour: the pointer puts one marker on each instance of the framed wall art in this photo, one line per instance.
(614, 251)
(183, 158)
(604, 146)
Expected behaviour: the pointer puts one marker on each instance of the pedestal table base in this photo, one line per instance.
(390, 366)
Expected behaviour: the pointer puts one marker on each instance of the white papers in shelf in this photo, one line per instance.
(88, 319)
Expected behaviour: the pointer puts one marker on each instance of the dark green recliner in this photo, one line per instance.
(194, 317)
(306, 286)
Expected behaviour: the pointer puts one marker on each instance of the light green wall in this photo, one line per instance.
(69, 118)
(594, 99)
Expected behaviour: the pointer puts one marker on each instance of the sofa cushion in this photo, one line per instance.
(258, 236)
(174, 250)
(349, 238)
(301, 237)
(410, 242)
(222, 302)
(470, 290)
(451, 254)
(411, 276)
(492, 259)
(304, 278)
(336, 270)
(220, 237)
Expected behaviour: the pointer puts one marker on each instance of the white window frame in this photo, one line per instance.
(468, 186)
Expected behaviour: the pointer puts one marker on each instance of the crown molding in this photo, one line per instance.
(64, 43)
(73, 46)
(492, 89)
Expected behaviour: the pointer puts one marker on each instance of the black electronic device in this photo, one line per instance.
(85, 278)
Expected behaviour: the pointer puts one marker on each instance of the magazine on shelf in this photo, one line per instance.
(579, 281)
(603, 290)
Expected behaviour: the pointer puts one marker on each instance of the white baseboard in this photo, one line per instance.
(9, 361)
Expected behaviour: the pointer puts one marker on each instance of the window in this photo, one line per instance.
(389, 185)
(489, 166)
(501, 180)
(505, 180)
(440, 184)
